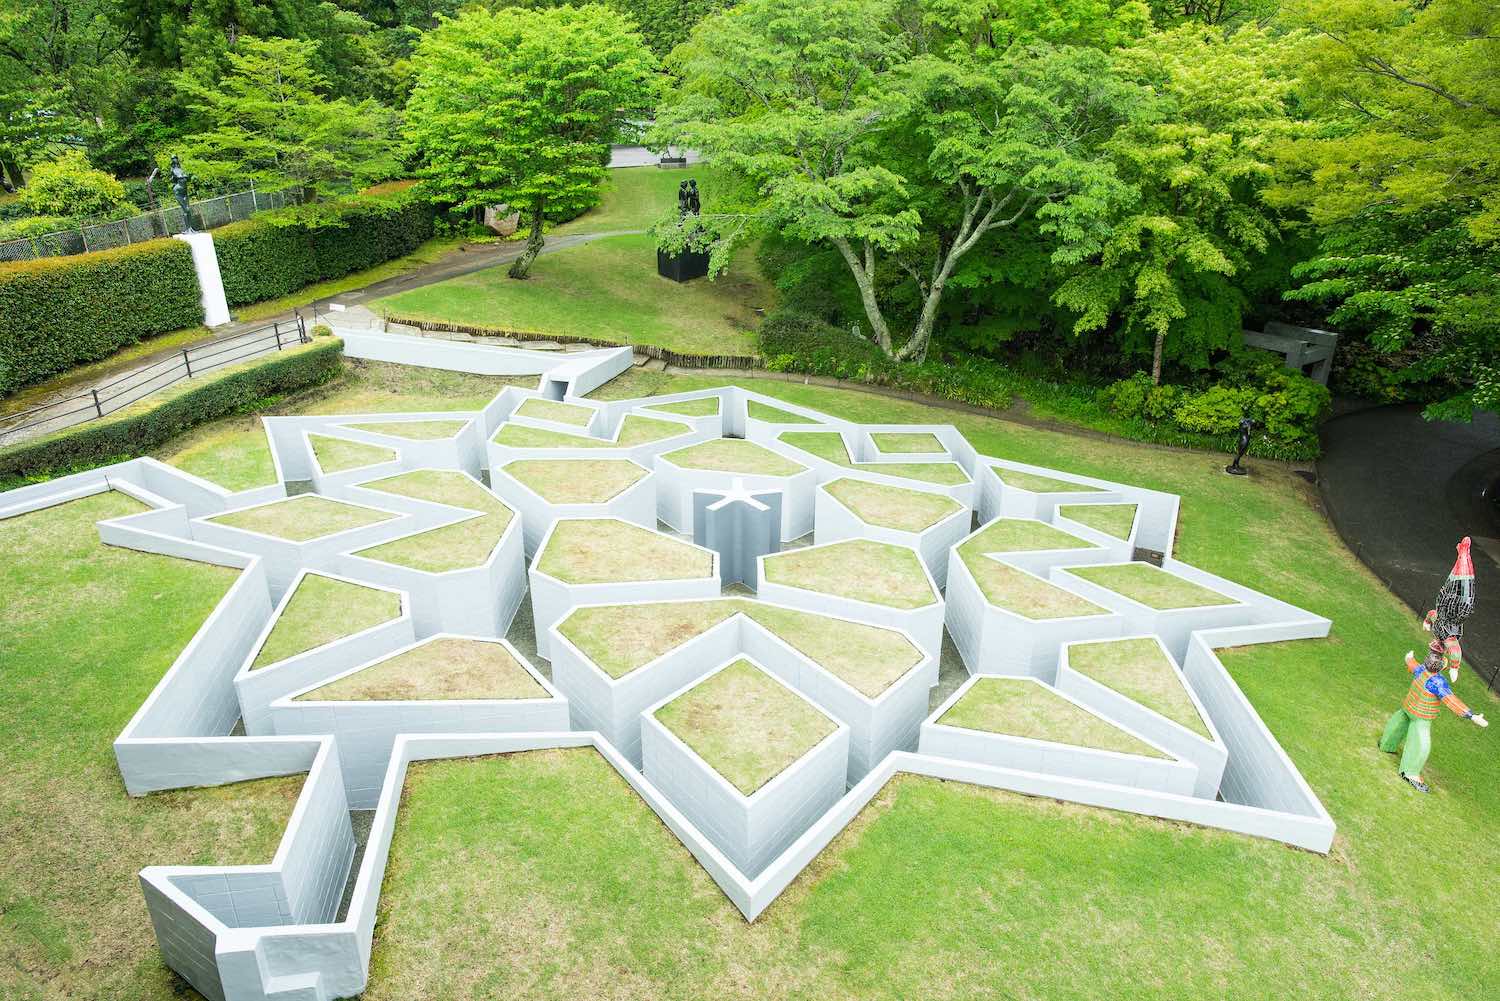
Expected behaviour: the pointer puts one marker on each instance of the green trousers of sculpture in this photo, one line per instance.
(1417, 733)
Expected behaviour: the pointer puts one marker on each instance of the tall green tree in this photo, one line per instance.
(270, 121)
(62, 65)
(1170, 271)
(1402, 179)
(902, 138)
(518, 107)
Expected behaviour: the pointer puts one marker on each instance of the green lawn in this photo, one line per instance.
(445, 667)
(829, 445)
(1139, 669)
(744, 725)
(1111, 519)
(1021, 707)
(73, 923)
(606, 550)
(703, 406)
(302, 518)
(734, 455)
(635, 197)
(337, 455)
(322, 610)
(234, 453)
(414, 430)
(607, 290)
(622, 638)
(896, 508)
(1152, 586)
(861, 569)
(573, 888)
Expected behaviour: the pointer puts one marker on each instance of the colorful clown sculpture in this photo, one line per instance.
(1429, 689)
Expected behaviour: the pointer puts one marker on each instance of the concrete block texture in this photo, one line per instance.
(269, 931)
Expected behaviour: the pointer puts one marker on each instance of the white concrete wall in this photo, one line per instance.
(366, 729)
(750, 830)
(1209, 755)
(1001, 750)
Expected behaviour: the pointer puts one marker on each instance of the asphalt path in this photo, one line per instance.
(1402, 491)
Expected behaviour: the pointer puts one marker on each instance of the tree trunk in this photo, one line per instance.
(13, 170)
(864, 278)
(1161, 340)
(522, 265)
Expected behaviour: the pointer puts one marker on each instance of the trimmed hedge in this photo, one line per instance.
(59, 312)
(141, 427)
(277, 253)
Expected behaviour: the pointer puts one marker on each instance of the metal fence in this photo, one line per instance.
(207, 214)
(105, 399)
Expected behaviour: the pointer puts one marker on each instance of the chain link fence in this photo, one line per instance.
(207, 214)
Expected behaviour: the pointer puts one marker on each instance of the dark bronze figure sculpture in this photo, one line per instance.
(1234, 468)
(179, 179)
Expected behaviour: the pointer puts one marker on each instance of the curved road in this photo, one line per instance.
(1402, 491)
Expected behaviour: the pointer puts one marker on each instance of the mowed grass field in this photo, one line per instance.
(542, 876)
(608, 289)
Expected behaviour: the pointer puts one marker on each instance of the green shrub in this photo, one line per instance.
(58, 312)
(1286, 405)
(1127, 398)
(69, 186)
(1161, 401)
(1217, 410)
(277, 253)
(141, 427)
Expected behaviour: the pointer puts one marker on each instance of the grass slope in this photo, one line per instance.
(302, 518)
(335, 455)
(623, 638)
(1039, 484)
(704, 406)
(604, 550)
(896, 508)
(462, 544)
(1111, 519)
(829, 446)
(1021, 707)
(638, 430)
(234, 453)
(72, 921)
(744, 725)
(526, 436)
(607, 289)
(876, 572)
(775, 415)
(734, 455)
(1152, 586)
(558, 413)
(575, 481)
(1140, 670)
(449, 667)
(891, 442)
(322, 610)
(414, 430)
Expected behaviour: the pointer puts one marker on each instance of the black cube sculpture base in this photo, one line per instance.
(683, 267)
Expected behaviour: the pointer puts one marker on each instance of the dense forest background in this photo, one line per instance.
(1323, 162)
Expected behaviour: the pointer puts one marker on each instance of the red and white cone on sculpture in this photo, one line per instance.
(1455, 599)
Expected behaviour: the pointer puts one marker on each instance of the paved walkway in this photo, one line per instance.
(1402, 491)
(463, 260)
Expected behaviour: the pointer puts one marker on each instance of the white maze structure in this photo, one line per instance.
(398, 544)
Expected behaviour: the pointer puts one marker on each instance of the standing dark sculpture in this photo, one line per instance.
(687, 264)
(1234, 468)
(179, 179)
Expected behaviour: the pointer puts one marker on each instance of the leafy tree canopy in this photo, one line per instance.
(518, 107)
(268, 121)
